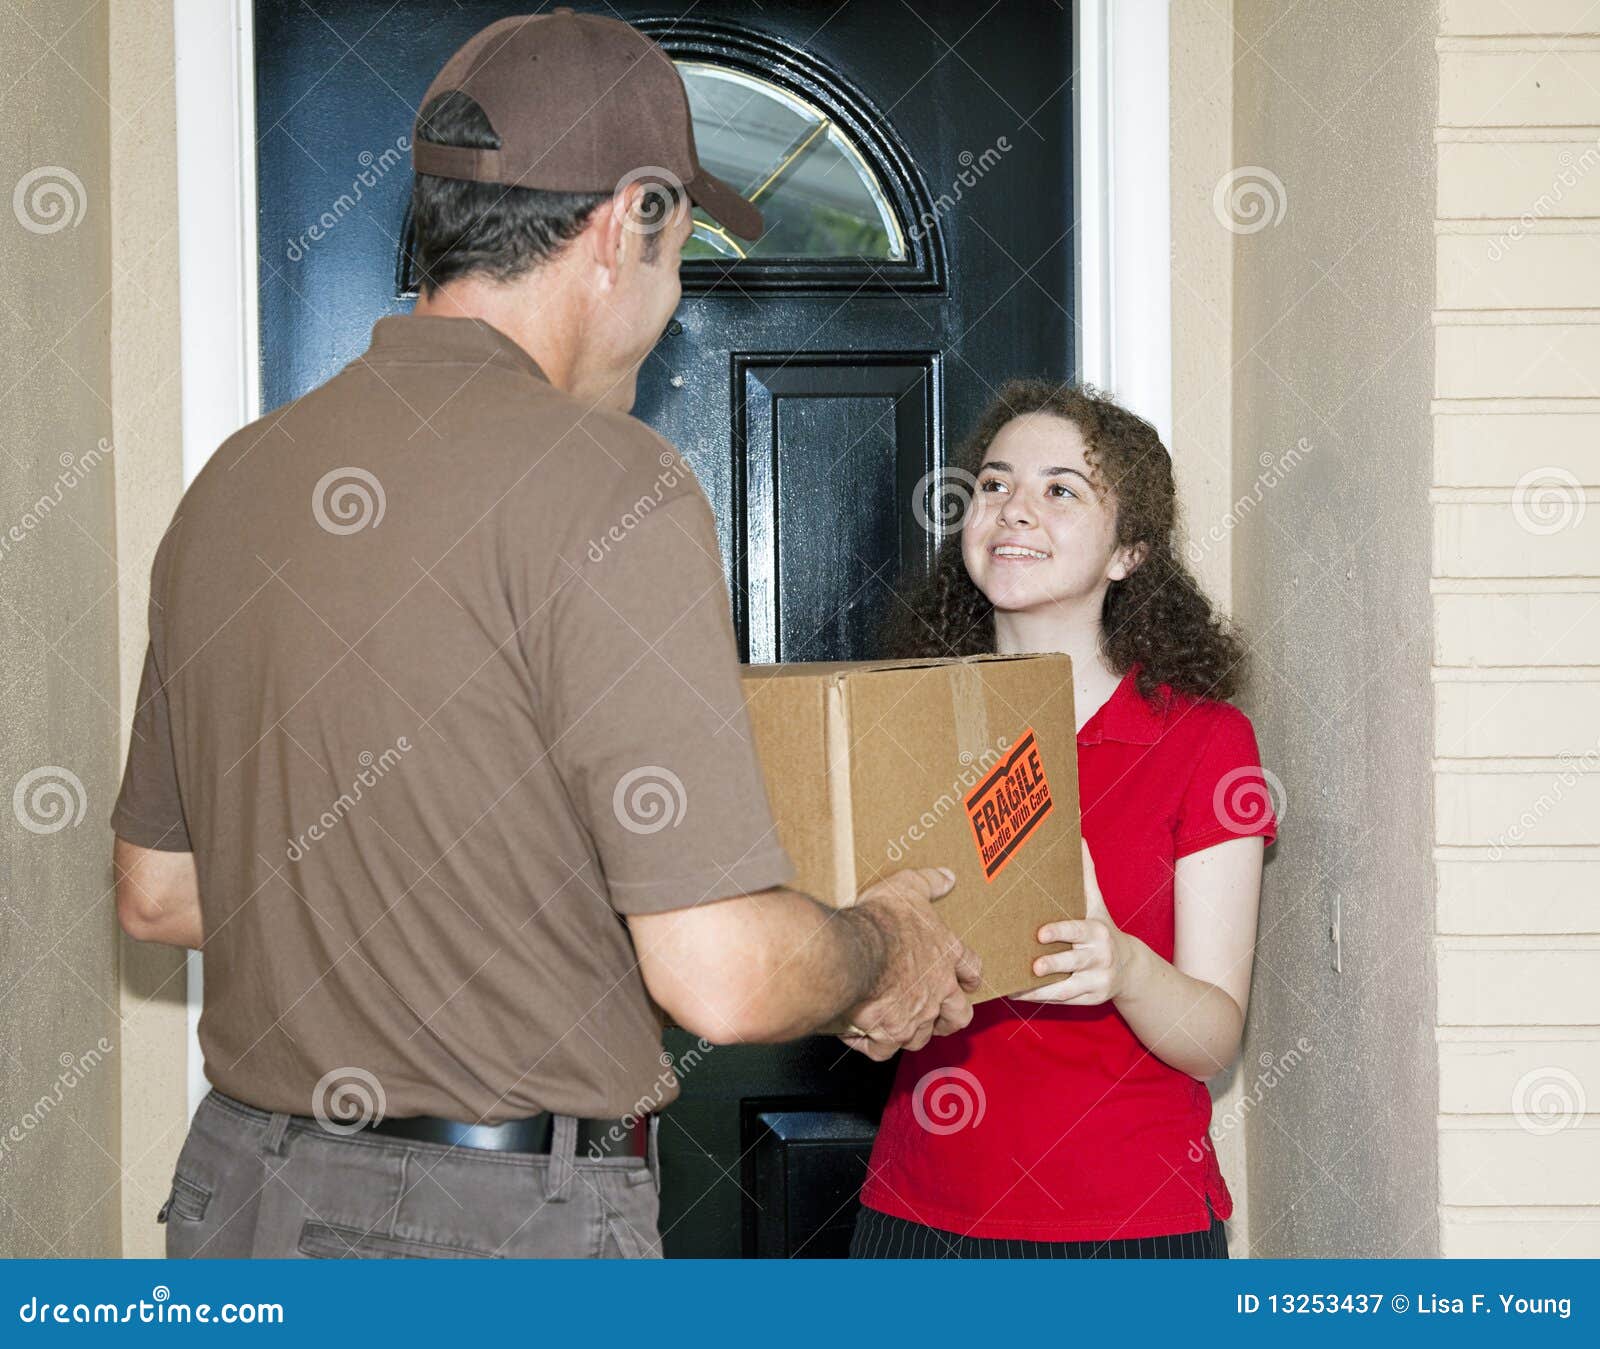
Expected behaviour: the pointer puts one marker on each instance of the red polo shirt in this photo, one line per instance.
(1049, 1123)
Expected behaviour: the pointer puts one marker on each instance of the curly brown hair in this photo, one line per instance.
(1157, 620)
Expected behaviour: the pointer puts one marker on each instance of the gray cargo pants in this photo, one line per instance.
(253, 1184)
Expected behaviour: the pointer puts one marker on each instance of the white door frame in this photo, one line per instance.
(1123, 236)
(214, 73)
(1123, 162)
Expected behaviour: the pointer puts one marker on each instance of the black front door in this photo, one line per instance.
(913, 162)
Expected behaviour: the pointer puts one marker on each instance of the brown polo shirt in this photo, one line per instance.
(442, 683)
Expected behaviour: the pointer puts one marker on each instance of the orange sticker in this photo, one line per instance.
(1006, 806)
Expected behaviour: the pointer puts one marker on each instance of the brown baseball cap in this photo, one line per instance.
(580, 103)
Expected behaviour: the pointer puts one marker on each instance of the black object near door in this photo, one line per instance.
(914, 166)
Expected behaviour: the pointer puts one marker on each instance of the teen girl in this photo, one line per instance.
(1074, 1120)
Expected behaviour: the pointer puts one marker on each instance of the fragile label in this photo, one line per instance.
(1008, 804)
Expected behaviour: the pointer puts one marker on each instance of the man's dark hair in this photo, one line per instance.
(456, 227)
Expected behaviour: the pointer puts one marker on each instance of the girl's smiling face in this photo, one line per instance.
(1042, 532)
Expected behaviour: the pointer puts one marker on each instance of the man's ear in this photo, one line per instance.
(1126, 561)
(607, 234)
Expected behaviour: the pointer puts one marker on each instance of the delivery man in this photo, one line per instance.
(440, 753)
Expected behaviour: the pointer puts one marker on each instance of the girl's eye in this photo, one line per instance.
(1060, 489)
(991, 485)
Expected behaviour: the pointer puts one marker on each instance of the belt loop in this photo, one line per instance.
(277, 1127)
(653, 1150)
(563, 1151)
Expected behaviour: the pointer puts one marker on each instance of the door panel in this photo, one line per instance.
(833, 448)
(811, 395)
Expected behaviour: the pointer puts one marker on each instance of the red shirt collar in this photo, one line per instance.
(1128, 716)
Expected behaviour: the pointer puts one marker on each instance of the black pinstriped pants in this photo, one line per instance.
(879, 1236)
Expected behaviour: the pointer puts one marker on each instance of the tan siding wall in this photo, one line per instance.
(1517, 626)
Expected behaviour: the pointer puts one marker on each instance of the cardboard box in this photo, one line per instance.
(969, 764)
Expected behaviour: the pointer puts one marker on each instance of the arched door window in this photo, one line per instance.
(815, 188)
(844, 206)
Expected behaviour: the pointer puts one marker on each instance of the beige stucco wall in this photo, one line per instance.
(1201, 109)
(60, 1061)
(147, 410)
(1517, 627)
(1333, 353)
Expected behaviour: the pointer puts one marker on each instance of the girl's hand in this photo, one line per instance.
(1097, 965)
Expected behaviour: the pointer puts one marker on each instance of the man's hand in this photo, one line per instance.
(927, 970)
